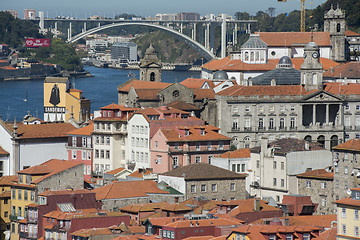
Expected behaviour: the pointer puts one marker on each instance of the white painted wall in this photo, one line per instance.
(298, 162)
(176, 182)
(6, 144)
(36, 153)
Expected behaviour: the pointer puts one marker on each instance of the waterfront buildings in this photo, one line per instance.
(124, 52)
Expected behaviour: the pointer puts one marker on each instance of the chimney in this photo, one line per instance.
(273, 82)
(264, 146)
(256, 204)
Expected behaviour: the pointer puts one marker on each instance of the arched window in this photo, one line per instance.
(257, 57)
(338, 27)
(252, 56)
(321, 140)
(261, 123)
(334, 141)
(262, 56)
(308, 138)
(152, 77)
(246, 56)
(282, 123)
(271, 123)
(314, 79)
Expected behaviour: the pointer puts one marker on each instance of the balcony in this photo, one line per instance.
(247, 129)
(13, 217)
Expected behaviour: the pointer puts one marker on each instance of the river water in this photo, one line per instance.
(100, 89)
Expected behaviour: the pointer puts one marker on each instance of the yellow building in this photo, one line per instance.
(5, 202)
(61, 101)
(348, 221)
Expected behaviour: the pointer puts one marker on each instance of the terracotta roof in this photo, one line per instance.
(202, 171)
(115, 171)
(162, 221)
(200, 94)
(145, 207)
(343, 89)
(234, 65)
(183, 106)
(8, 68)
(205, 222)
(115, 106)
(321, 221)
(246, 206)
(127, 189)
(351, 145)
(256, 231)
(137, 84)
(147, 94)
(64, 192)
(140, 173)
(8, 180)
(49, 168)
(84, 131)
(197, 83)
(288, 39)
(279, 90)
(317, 174)
(349, 33)
(5, 194)
(349, 202)
(200, 238)
(350, 70)
(287, 145)
(47, 130)
(239, 153)
(326, 63)
(82, 213)
(175, 135)
(329, 234)
(3, 152)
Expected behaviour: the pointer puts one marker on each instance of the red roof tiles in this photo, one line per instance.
(280, 90)
(288, 39)
(352, 145)
(317, 174)
(239, 153)
(346, 70)
(84, 131)
(48, 130)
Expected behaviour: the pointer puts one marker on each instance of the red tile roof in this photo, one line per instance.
(8, 68)
(351, 33)
(64, 192)
(329, 234)
(246, 206)
(343, 89)
(280, 90)
(115, 106)
(350, 70)
(81, 213)
(326, 63)
(239, 153)
(200, 94)
(115, 171)
(351, 145)
(47, 130)
(127, 189)
(183, 106)
(145, 207)
(137, 84)
(205, 222)
(317, 174)
(321, 221)
(3, 152)
(349, 202)
(84, 131)
(175, 135)
(8, 180)
(49, 168)
(197, 83)
(288, 39)
(140, 173)
(229, 65)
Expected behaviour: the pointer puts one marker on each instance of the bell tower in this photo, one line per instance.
(150, 66)
(334, 22)
(311, 69)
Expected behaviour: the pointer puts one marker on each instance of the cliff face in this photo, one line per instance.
(170, 49)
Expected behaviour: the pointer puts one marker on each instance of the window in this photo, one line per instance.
(198, 159)
(247, 109)
(107, 140)
(271, 123)
(247, 123)
(221, 145)
(243, 167)
(176, 146)
(274, 164)
(96, 153)
(209, 159)
(192, 188)
(282, 165)
(232, 186)
(356, 214)
(88, 155)
(306, 236)
(272, 237)
(261, 123)
(83, 155)
(257, 163)
(74, 141)
(25, 195)
(292, 123)
(261, 108)
(107, 154)
(97, 140)
(282, 123)
(282, 182)
(203, 187)
(272, 108)
(102, 139)
(73, 154)
(197, 147)
(32, 196)
(214, 187)
(289, 236)
(175, 162)
(308, 183)
(323, 184)
(345, 170)
(356, 231)
(19, 211)
(323, 201)
(343, 212)
(101, 153)
(19, 194)
(234, 167)
(343, 229)
(274, 182)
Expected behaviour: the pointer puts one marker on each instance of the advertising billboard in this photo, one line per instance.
(37, 42)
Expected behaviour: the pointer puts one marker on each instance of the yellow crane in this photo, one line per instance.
(302, 14)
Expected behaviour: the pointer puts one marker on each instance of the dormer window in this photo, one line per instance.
(104, 113)
(187, 132)
(109, 114)
(202, 132)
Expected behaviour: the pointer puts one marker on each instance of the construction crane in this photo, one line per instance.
(302, 14)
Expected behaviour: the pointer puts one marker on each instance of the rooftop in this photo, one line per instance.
(351, 145)
(349, 70)
(47, 130)
(239, 153)
(289, 39)
(203, 171)
(317, 174)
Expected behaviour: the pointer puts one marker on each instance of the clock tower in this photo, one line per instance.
(311, 69)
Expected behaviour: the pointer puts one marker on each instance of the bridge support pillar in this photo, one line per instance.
(194, 30)
(235, 34)
(41, 22)
(248, 30)
(223, 37)
(99, 25)
(69, 31)
(84, 30)
(212, 39)
(207, 36)
(181, 27)
(55, 28)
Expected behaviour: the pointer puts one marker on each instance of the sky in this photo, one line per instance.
(109, 8)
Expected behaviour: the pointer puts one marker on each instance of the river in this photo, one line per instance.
(100, 89)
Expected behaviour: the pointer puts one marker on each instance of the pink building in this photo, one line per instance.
(80, 148)
(171, 147)
(29, 14)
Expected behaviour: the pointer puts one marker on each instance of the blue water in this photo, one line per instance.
(100, 89)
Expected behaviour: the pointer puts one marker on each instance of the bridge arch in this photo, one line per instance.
(192, 43)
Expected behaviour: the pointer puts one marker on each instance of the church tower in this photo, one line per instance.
(335, 24)
(311, 69)
(150, 66)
